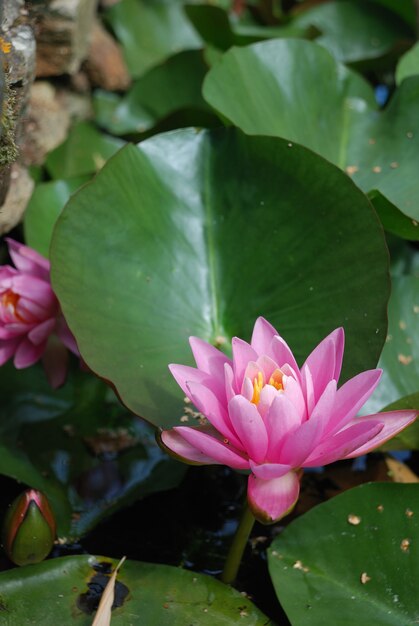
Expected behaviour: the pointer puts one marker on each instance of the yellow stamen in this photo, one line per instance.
(9, 300)
(257, 387)
(259, 383)
(276, 379)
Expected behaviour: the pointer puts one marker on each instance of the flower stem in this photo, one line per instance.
(234, 556)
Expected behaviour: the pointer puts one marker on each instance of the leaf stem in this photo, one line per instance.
(234, 556)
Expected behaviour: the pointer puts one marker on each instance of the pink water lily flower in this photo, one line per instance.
(267, 415)
(31, 323)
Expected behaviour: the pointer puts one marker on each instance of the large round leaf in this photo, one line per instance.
(198, 233)
(296, 89)
(352, 560)
(67, 591)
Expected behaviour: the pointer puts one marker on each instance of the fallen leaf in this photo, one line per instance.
(104, 610)
(399, 472)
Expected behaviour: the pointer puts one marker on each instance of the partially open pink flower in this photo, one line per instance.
(31, 323)
(267, 415)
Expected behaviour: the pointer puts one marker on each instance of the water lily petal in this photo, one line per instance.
(299, 443)
(184, 374)
(28, 260)
(229, 382)
(293, 391)
(270, 500)
(351, 397)
(10, 331)
(249, 426)
(64, 333)
(308, 388)
(31, 311)
(208, 358)
(325, 361)
(263, 333)
(27, 353)
(269, 470)
(242, 354)
(393, 422)
(267, 366)
(41, 332)
(342, 444)
(281, 419)
(177, 446)
(321, 366)
(213, 448)
(35, 289)
(210, 406)
(282, 354)
(7, 349)
(267, 396)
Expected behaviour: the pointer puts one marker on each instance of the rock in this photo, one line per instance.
(19, 193)
(63, 34)
(18, 63)
(11, 10)
(46, 123)
(105, 64)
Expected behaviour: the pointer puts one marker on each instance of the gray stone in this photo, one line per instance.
(63, 35)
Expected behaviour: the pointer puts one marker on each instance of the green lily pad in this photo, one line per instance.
(44, 207)
(214, 25)
(405, 10)
(158, 595)
(78, 446)
(355, 31)
(408, 65)
(400, 356)
(213, 229)
(333, 112)
(151, 32)
(353, 559)
(165, 89)
(85, 151)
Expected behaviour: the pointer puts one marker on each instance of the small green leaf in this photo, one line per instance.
(218, 30)
(151, 32)
(408, 65)
(85, 151)
(353, 559)
(165, 89)
(44, 207)
(157, 595)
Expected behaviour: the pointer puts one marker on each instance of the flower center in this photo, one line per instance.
(259, 383)
(9, 301)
